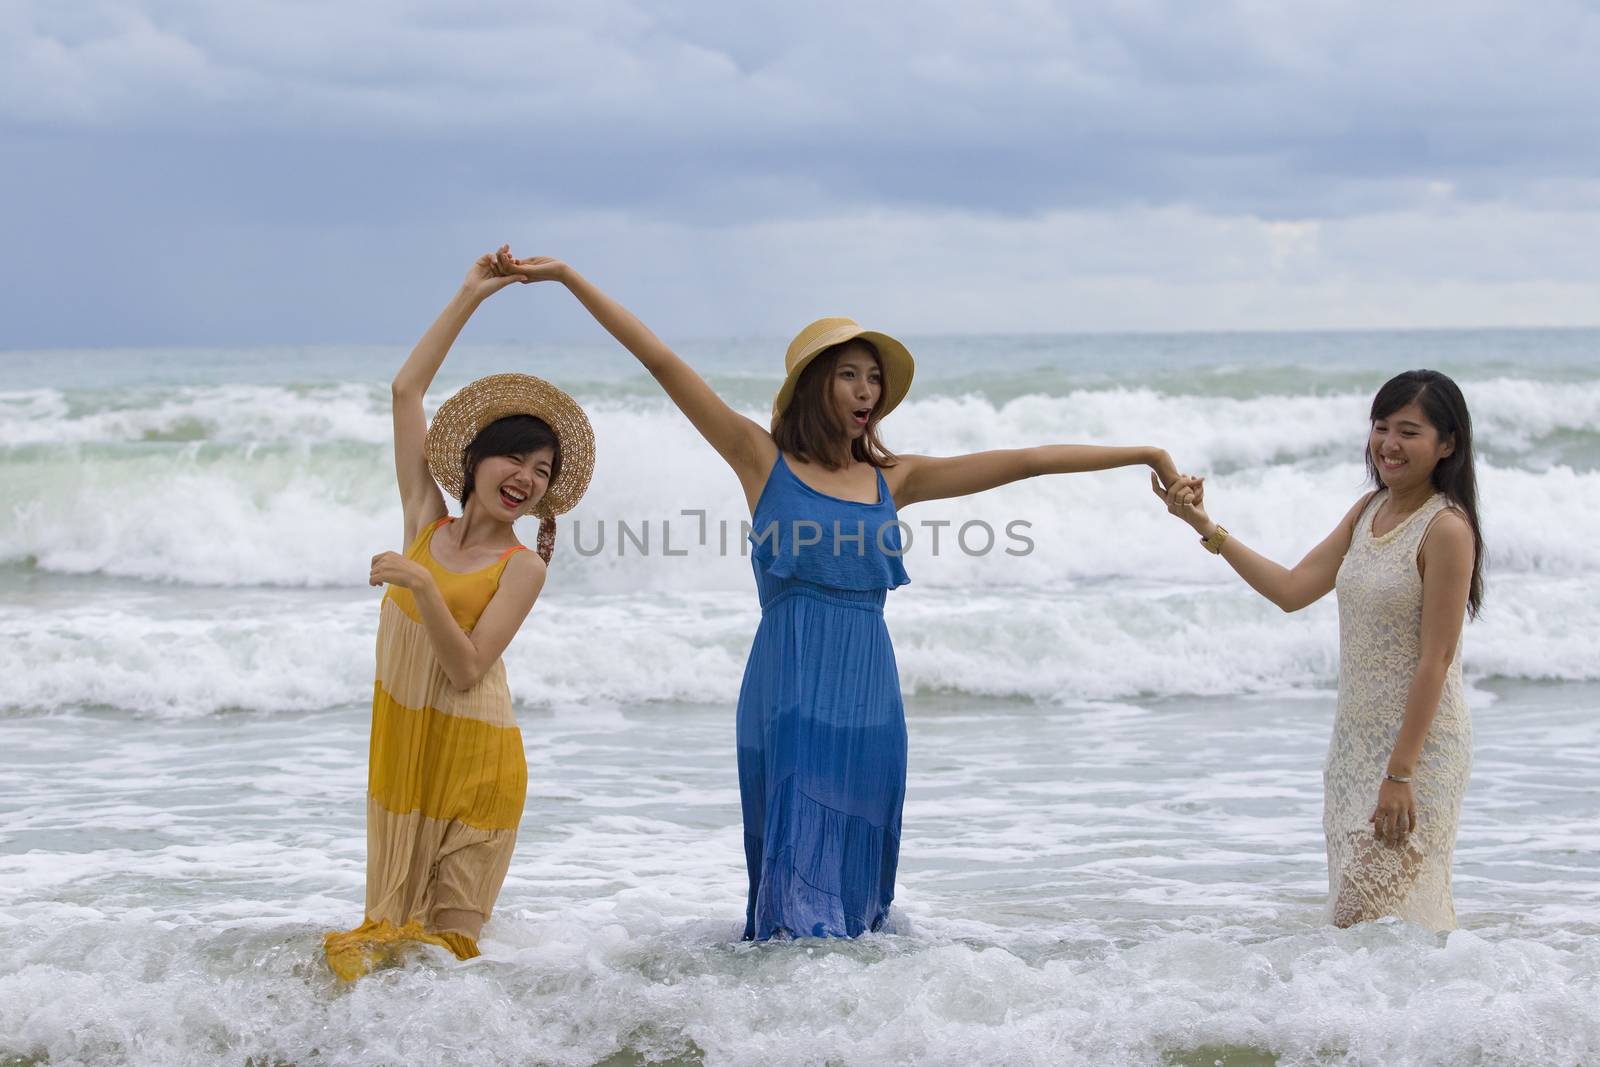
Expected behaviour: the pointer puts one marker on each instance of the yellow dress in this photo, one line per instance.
(446, 782)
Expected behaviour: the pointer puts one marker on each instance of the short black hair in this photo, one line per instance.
(513, 435)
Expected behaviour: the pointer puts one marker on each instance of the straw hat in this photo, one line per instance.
(898, 366)
(475, 406)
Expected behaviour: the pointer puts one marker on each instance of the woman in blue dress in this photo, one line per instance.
(821, 728)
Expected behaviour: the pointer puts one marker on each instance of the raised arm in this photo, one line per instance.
(918, 478)
(745, 444)
(420, 498)
(1290, 588)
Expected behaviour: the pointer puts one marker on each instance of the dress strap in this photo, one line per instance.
(425, 535)
(507, 553)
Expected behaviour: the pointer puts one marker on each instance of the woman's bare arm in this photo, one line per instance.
(465, 657)
(745, 445)
(1291, 588)
(917, 478)
(1447, 556)
(1448, 551)
(420, 498)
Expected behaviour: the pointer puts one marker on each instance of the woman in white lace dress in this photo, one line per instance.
(1407, 563)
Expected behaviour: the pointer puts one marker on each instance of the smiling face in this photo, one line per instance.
(509, 466)
(508, 487)
(856, 387)
(1405, 447)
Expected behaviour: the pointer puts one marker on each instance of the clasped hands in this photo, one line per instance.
(1184, 497)
(493, 271)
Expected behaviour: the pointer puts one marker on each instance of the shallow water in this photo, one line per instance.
(1117, 883)
(1113, 850)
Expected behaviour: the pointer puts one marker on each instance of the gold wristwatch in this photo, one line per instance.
(1215, 542)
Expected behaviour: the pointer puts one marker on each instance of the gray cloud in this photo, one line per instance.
(1008, 106)
(275, 148)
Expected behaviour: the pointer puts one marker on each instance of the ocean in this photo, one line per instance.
(1112, 850)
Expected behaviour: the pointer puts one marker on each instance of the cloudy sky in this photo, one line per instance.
(187, 172)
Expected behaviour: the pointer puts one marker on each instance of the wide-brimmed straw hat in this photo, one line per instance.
(475, 406)
(898, 366)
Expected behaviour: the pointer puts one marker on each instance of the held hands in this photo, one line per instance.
(1164, 471)
(1184, 497)
(488, 274)
(1396, 813)
(391, 568)
(533, 269)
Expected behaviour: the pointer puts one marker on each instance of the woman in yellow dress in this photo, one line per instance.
(446, 776)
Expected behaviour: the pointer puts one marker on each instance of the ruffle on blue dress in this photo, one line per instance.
(821, 727)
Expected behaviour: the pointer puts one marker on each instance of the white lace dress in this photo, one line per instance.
(1380, 631)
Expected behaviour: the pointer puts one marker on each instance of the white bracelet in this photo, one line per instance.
(1403, 779)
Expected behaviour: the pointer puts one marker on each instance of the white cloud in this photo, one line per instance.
(916, 272)
(1175, 268)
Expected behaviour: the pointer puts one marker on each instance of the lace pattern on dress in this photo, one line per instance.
(1380, 632)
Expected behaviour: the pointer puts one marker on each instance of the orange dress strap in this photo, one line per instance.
(507, 553)
(425, 535)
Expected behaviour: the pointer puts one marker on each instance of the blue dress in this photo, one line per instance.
(821, 729)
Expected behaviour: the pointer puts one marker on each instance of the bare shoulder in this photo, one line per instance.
(904, 466)
(1344, 534)
(1449, 531)
(525, 570)
(1358, 507)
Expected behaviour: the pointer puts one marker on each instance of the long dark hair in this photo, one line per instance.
(809, 429)
(511, 436)
(1455, 475)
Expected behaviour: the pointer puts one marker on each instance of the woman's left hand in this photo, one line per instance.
(1185, 499)
(391, 568)
(1396, 813)
(488, 274)
(532, 269)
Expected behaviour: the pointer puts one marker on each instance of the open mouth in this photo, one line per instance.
(1390, 464)
(861, 415)
(512, 498)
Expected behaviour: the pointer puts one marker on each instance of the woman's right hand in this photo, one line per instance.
(488, 275)
(1185, 498)
(532, 269)
(391, 568)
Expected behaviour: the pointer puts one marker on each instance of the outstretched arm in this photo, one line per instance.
(918, 478)
(745, 445)
(1290, 588)
(420, 498)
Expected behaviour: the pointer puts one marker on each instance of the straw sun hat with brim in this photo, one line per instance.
(464, 415)
(811, 342)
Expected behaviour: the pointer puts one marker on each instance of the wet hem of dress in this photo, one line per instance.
(351, 954)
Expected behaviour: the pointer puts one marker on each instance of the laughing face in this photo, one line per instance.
(857, 387)
(1406, 447)
(511, 486)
